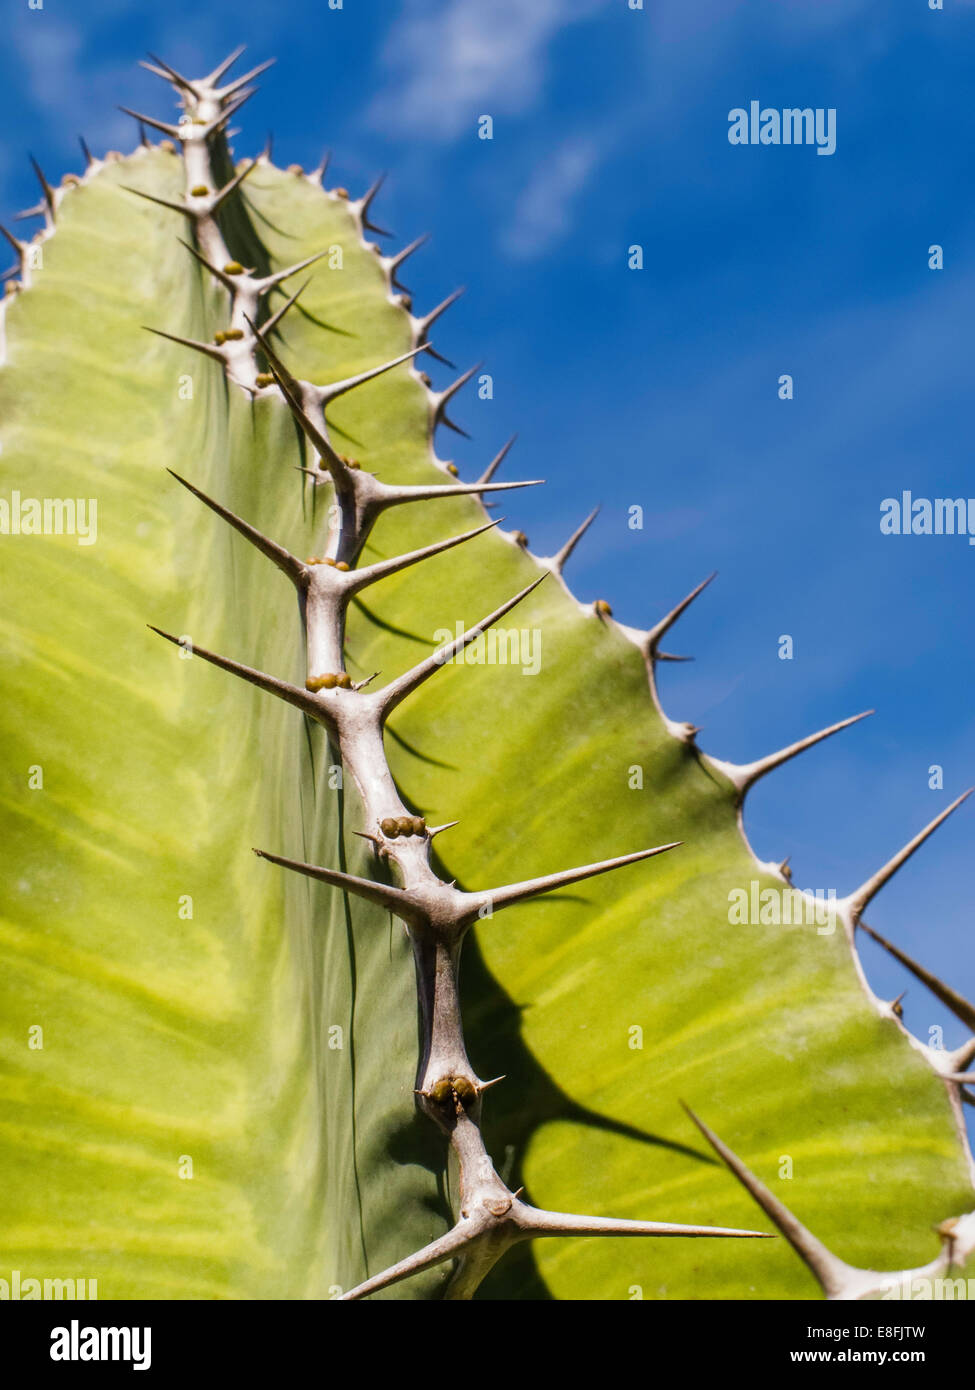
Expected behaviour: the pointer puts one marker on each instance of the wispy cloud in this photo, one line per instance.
(62, 74)
(452, 62)
(542, 212)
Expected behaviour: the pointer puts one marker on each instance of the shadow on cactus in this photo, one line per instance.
(239, 1076)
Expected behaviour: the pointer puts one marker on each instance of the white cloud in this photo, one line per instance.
(466, 58)
(542, 212)
(65, 84)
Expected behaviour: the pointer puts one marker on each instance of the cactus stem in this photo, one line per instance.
(743, 776)
(492, 1219)
(854, 905)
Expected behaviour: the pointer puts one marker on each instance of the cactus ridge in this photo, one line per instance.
(491, 1218)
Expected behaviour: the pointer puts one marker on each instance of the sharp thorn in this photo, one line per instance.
(441, 398)
(275, 279)
(496, 462)
(397, 690)
(665, 624)
(370, 574)
(445, 1248)
(558, 1223)
(19, 247)
(421, 492)
(214, 77)
(334, 389)
(169, 74)
(224, 279)
(746, 775)
(46, 189)
(531, 888)
(285, 561)
(558, 561)
(423, 325)
(233, 185)
(279, 314)
(395, 900)
(208, 349)
(301, 699)
(439, 829)
(239, 82)
(393, 263)
(363, 204)
(951, 999)
(175, 132)
(833, 1274)
(857, 901)
(317, 175)
(163, 202)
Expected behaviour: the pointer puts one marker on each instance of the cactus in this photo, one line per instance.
(228, 1098)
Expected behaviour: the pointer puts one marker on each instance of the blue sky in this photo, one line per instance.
(659, 386)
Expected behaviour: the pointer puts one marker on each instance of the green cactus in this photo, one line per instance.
(210, 1073)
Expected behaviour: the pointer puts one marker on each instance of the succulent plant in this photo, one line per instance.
(214, 1075)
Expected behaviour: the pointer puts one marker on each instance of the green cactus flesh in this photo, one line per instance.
(225, 1101)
